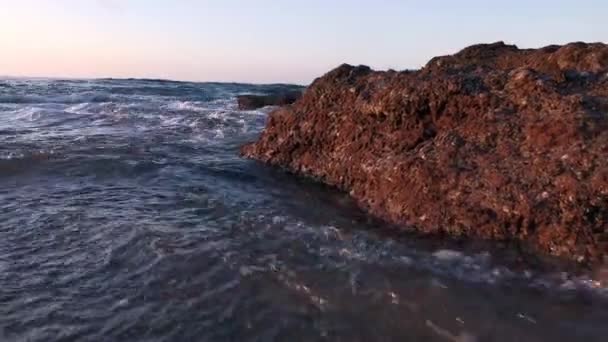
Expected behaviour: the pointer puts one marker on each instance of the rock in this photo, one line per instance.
(250, 102)
(471, 145)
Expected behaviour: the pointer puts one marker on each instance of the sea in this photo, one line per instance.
(128, 214)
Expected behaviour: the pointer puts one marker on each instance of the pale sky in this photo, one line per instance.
(264, 41)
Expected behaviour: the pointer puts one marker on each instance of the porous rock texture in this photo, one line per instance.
(494, 142)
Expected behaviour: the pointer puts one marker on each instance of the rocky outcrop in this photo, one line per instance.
(494, 142)
(250, 102)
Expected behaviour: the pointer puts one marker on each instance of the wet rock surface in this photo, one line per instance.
(250, 102)
(494, 142)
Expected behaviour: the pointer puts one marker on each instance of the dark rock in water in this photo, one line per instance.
(249, 102)
(494, 142)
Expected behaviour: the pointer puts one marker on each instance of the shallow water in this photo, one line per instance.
(126, 214)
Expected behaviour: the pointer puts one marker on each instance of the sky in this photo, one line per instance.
(268, 41)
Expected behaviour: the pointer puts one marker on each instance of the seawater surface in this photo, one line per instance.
(126, 214)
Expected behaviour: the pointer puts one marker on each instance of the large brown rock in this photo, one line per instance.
(493, 142)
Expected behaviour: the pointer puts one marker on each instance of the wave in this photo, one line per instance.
(17, 163)
(94, 97)
(33, 155)
(341, 248)
(194, 106)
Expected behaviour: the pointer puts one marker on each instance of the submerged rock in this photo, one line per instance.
(493, 142)
(250, 102)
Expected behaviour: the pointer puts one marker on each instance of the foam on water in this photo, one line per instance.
(191, 106)
(448, 255)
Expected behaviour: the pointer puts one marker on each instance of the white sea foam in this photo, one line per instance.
(170, 120)
(29, 114)
(448, 255)
(482, 267)
(79, 108)
(194, 106)
(16, 155)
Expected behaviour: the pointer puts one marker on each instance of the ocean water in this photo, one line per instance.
(126, 214)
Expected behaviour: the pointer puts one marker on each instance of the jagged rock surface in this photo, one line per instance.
(494, 142)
